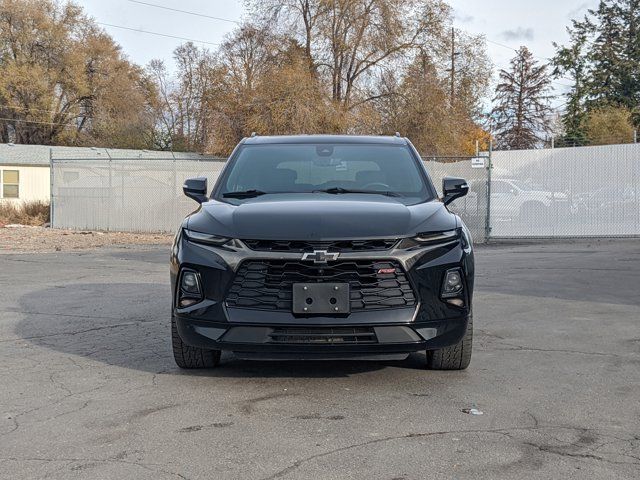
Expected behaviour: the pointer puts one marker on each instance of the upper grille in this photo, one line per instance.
(310, 246)
(268, 284)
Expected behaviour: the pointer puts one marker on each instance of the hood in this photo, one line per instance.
(320, 217)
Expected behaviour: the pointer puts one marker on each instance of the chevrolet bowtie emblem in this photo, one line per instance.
(320, 256)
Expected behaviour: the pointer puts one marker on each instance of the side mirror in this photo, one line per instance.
(453, 188)
(196, 188)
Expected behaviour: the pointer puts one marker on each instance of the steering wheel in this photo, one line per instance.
(385, 187)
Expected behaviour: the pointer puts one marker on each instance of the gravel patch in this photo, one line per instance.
(27, 239)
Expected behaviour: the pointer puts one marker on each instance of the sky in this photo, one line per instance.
(507, 24)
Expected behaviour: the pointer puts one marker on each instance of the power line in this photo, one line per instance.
(156, 33)
(30, 109)
(184, 11)
(35, 121)
(197, 14)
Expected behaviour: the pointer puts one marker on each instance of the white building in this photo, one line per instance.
(25, 173)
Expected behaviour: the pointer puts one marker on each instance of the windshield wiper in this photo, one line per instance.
(244, 194)
(340, 191)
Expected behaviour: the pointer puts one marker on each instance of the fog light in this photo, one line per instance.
(452, 286)
(190, 283)
(190, 291)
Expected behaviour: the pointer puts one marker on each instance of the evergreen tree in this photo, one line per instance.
(603, 60)
(572, 61)
(521, 114)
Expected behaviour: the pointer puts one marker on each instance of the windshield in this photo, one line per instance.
(325, 169)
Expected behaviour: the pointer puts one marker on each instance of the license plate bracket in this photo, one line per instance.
(321, 298)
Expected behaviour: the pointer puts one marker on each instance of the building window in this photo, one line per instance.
(10, 184)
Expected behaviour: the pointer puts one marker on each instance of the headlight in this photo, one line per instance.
(437, 237)
(205, 238)
(431, 238)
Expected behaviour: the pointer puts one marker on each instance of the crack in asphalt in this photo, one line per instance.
(85, 462)
(516, 347)
(561, 451)
(500, 431)
(78, 332)
(248, 405)
(55, 402)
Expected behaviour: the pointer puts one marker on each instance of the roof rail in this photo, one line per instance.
(254, 134)
(397, 134)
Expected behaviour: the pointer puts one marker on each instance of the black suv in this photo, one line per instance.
(323, 247)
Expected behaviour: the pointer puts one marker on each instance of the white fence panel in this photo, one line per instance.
(125, 195)
(566, 192)
(473, 207)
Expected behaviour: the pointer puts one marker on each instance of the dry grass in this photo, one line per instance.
(42, 240)
(28, 213)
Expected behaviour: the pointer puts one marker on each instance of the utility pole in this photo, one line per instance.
(453, 65)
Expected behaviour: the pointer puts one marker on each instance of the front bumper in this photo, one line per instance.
(392, 341)
(433, 323)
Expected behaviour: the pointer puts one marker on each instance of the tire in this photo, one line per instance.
(455, 357)
(191, 357)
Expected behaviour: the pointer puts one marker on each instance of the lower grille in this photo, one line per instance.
(324, 335)
(268, 284)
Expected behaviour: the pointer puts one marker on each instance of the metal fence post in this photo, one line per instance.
(175, 190)
(487, 228)
(110, 197)
(51, 183)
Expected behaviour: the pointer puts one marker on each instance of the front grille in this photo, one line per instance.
(268, 284)
(323, 335)
(310, 246)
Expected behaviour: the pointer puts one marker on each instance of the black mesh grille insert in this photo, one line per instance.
(323, 335)
(333, 246)
(268, 284)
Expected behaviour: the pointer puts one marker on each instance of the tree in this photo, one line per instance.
(572, 61)
(329, 66)
(350, 42)
(521, 114)
(609, 125)
(63, 80)
(603, 61)
(421, 106)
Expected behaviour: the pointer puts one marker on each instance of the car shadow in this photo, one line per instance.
(127, 325)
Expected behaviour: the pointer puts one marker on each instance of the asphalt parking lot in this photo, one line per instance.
(88, 387)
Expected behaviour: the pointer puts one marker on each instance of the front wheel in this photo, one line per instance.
(455, 357)
(190, 357)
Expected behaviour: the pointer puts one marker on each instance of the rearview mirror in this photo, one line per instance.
(196, 188)
(453, 188)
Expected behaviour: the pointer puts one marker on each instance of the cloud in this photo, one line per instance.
(579, 10)
(519, 33)
(464, 18)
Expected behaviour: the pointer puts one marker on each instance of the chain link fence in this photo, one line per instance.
(121, 194)
(473, 207)
(565, 192)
